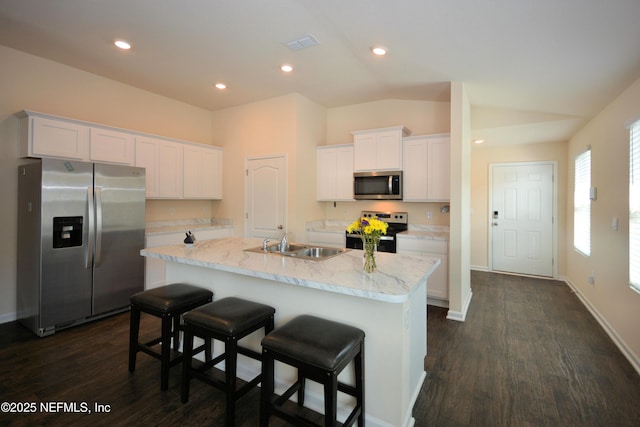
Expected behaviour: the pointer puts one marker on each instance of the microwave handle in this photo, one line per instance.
(390, 184)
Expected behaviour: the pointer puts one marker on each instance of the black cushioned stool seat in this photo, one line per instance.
(169, 303)
(320, 349)
(228, 320)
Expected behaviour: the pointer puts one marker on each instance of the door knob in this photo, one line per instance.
(280, 227)
(495, 223)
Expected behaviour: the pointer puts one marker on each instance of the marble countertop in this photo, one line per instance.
(179, 226)
(396, 278)
(328, 226)
(415, 231)
(426, 232)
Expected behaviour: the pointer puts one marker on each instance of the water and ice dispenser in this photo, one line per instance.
(67, 231)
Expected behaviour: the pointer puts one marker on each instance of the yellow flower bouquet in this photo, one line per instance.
(370, 230)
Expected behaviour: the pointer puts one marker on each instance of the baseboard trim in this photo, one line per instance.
(460, 316)
(8, 317)
(617, 340)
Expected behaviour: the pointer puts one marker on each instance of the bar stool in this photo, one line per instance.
(227, 320)
(320, 349)
(169, 303)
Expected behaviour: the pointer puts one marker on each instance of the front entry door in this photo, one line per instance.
(266, 197)
(521, 215)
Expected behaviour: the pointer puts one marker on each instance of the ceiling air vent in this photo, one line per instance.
(302, 42)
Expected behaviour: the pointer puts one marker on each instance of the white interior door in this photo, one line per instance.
(266, 197)
(522, 211)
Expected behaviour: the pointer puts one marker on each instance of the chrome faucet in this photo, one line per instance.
(265, 243)
(283, 243)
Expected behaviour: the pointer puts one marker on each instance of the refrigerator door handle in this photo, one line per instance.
(90, 228)
(98, 257)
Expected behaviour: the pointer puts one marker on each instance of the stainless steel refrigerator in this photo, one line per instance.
(80, 231)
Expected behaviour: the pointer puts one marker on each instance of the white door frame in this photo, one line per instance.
(554, 225)
(247, 190)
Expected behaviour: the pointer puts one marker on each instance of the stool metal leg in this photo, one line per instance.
(134, 328)
(359, 367)
(331, 400)
(165, 352)
(266, 390)
(186, 363)
(230, 361)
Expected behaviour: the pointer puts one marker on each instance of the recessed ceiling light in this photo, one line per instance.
(123, 44)
(478, 141)
(287, 68)
(379, 50)
(221, 86)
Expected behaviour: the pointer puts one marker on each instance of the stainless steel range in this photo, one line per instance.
(397, 222)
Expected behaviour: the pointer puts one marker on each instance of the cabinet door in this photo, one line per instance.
(389, 150)
(438, 283)
(414, 183)
(147, 158)
(111, 146)
(439, 167)
(334, 175)
(212, 173)
(326, 173)
(170, 170)
(344, 173)
(365, 152)
(58, 139)
(202, 172)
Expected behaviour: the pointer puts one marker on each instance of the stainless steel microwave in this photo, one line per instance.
(385, 185)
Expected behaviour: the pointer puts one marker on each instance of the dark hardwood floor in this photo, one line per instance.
(529, 354)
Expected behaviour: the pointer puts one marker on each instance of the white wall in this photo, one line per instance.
(30, 82)
(610, 298)
(291, 125)
(481, 158)
(420, 117)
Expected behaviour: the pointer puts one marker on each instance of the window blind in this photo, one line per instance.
(634, 206)
(582, 203)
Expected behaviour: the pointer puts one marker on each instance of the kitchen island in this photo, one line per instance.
(389, 305)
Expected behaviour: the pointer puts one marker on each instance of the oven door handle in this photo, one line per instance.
(357, 236)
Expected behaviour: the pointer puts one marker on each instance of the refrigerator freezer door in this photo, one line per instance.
(120, 220)
(65, 280)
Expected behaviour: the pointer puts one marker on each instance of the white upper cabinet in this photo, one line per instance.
(426, 168)
(202, 172)
(170, 171)
(378, 149)
(43, 137)
(334, 174)
(162, 161)
(111, 146)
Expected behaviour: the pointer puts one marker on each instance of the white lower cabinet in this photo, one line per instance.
(154, 269)
(438, 283)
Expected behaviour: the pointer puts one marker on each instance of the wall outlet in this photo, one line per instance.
(592, 278)
(429, 215)
(172, 211)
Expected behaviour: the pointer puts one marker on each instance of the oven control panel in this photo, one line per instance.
(389, 217)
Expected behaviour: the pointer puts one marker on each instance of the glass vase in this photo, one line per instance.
(369, 257)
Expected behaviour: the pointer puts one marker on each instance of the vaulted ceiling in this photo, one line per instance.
(535, 71)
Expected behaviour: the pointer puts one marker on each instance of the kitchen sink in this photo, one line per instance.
(318, 252)
(300, 251)
(290, 247)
